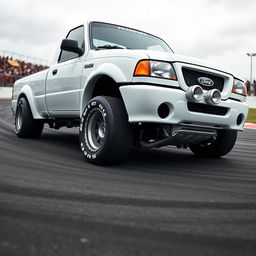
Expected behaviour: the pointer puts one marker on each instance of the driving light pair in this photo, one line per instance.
(196, 93)
(157, 69)
(239, 87)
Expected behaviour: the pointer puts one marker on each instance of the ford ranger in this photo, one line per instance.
(126, 88)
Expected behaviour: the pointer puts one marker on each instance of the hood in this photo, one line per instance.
(165, 56)
(156, 55)
(118, 53)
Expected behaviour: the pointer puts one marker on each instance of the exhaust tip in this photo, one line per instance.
(195, 93)
(213, 97)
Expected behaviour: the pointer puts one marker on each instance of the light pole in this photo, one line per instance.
(251, 82)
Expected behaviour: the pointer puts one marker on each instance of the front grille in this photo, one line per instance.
(207, 109)
(191, 78)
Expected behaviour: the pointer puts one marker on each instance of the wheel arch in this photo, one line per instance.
(27, 93)
(103, 82)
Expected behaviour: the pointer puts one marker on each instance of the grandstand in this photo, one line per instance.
(14, 66)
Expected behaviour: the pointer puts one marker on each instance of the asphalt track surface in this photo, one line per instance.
(161, 202)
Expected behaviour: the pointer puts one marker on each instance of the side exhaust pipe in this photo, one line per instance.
(181, 136)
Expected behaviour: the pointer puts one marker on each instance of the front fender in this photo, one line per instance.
(26, 90)
(107, 69)
(110, 70)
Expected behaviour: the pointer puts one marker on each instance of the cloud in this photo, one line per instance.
(218, 30)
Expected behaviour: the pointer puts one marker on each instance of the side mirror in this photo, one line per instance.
(71, 46)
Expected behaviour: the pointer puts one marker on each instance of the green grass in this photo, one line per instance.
(251, 116)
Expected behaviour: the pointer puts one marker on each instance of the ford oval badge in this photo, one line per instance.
(205, 81)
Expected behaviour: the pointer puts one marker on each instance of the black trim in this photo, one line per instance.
(204, 67)
(207, 109)
(89, 65)
(90, 36)
(191, 77)
(152, 84)
(68, 59)
(235, 99)
(239, 80)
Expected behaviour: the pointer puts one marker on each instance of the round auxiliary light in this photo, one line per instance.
(213, 97)
(195, 93)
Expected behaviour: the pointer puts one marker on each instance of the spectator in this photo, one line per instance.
(11, 70)
(4, 78)
(254, 87)
(248, 87)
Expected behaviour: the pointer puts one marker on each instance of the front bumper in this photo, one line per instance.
(142, 102)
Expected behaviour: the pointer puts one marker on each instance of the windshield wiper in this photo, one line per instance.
(108, 46)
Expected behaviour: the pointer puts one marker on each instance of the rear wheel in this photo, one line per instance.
(104, 132)
(220, 146)
(25, 125)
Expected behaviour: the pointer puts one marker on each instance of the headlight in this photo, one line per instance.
(162, 70)
(153, 68)
(239, 87)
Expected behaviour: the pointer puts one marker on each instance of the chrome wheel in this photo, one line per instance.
(95, 130)
(105, 134)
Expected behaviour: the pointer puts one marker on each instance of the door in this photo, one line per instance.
(63, 82)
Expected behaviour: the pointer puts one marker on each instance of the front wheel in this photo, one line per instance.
(105, 134)
(220, 146)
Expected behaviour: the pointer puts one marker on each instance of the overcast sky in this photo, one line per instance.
(219, 31)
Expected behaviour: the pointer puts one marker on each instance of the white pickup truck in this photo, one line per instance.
(126, 88)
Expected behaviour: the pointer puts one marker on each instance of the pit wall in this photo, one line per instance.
(5, 93)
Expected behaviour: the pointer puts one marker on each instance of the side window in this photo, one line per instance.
(74, 34)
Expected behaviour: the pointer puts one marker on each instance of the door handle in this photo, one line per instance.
(54, 72)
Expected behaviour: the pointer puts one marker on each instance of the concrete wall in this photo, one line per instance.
(5, 92)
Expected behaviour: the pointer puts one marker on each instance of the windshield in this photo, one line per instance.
(108, 36)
